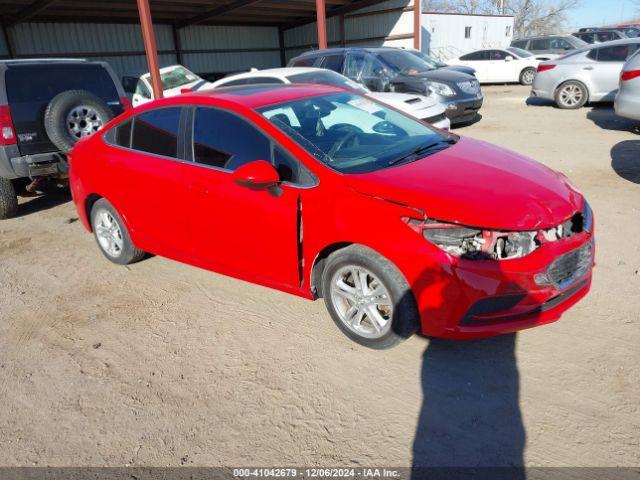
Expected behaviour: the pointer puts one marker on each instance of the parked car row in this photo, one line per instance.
(510, 65)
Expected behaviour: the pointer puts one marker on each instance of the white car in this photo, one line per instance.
(175, 79)
(418, 106)
(509, 65)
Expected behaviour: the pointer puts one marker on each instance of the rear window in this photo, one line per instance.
(40, 83)
(303, 62)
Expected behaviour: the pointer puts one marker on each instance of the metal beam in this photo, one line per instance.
(7, 41)
(283, 51)
(149, 38)
(214, 12)
(417, 23)
(321, 20)
(30, 11)
(332, 12)
(177, 42)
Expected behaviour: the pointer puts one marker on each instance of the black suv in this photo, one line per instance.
(387, 69)
(46, 106)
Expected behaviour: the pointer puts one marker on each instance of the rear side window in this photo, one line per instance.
(156, 132)
(304, 62)
(520, 44)
(333, 62)
(560, 44)
(224, 140)
(122, 134)
(617, 53)
(40, 83)
(541, 44)
(481, 55)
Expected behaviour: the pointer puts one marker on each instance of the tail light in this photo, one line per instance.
(544, 68)
(126, 103)
(629, 75)
(7, 132)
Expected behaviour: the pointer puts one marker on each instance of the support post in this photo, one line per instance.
(321, 16)
(150, 48)
(177, 43)
(417, 23)
(283, 49)
(7, 41)
(343, 34)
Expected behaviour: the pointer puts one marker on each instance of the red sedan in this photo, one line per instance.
(324, 193)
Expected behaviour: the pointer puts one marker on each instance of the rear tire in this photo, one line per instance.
(527, 76)
(73, 115)
(571, 95)
(112, 236)
(368, 298)
(8, 199)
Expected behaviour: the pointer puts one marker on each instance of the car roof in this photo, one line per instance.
(257, 96)
(22, 61)
(272, 72)
(329, 51)
(537, 37)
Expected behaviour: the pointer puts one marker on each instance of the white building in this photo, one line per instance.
(449, 35)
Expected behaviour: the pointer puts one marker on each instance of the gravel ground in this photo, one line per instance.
(164, 364)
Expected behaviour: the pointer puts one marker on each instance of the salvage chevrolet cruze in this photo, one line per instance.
(321, 192)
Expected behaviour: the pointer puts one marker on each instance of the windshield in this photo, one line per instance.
(325, 77)
(520, 52)
(403, 62)
(353, 134)
(175, 78)
(432, 62)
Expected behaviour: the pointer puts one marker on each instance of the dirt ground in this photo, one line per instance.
(163, 364)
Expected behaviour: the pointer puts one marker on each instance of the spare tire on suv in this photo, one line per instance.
(73, 115)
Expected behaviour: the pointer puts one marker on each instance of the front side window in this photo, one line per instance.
(518, 52)
(156, 132)
(224, 140)
(353, 134)
(333, 62)
(560, 44)
(497, 54)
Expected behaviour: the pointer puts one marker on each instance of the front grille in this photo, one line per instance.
(470, 86)
(436, 119)
(571, 266)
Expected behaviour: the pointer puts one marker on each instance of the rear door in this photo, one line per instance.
(31, 87)
(148, 161)
(605, 71)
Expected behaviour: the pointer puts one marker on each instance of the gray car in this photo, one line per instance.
(549, 44)
(628, 99)
(590, 74)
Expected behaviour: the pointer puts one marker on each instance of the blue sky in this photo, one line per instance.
(599, 12)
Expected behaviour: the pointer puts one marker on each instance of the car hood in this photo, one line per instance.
(418, 105)
(477, 184)
(461, 68)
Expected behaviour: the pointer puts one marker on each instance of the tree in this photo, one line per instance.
(531, 17)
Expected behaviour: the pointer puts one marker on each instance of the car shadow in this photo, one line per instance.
(604, 116)
(625, 160)
(46, 201)
(540, 102)
(470, 424)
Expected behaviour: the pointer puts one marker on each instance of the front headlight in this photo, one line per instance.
(480, 244)
(441, 89)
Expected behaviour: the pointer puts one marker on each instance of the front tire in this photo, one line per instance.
(571, 95)
(368, 298)
(527, 76)
(8, 199)
(112, 236)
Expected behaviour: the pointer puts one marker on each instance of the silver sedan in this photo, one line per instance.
(628, 98)
(590, 74)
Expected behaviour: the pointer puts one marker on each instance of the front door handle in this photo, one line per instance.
(588, 68)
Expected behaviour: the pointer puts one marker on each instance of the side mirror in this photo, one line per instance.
(509, 59)
(186, 90)
(258, 174)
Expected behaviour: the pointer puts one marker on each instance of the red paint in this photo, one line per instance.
(126, 103)
(630, 75)
(204, 217)
(7, 132)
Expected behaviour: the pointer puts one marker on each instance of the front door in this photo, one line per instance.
(249, 233)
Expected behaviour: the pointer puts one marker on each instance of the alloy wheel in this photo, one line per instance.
(83, 121)
(109, 234)
(362, 302)
(571, 95)
(528, 76)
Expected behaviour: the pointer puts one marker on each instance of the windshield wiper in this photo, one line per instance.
(423, 150)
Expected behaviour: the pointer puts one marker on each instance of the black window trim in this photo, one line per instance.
(189, 153)
(109, 136)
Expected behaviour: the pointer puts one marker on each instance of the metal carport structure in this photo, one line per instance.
(181, 14)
